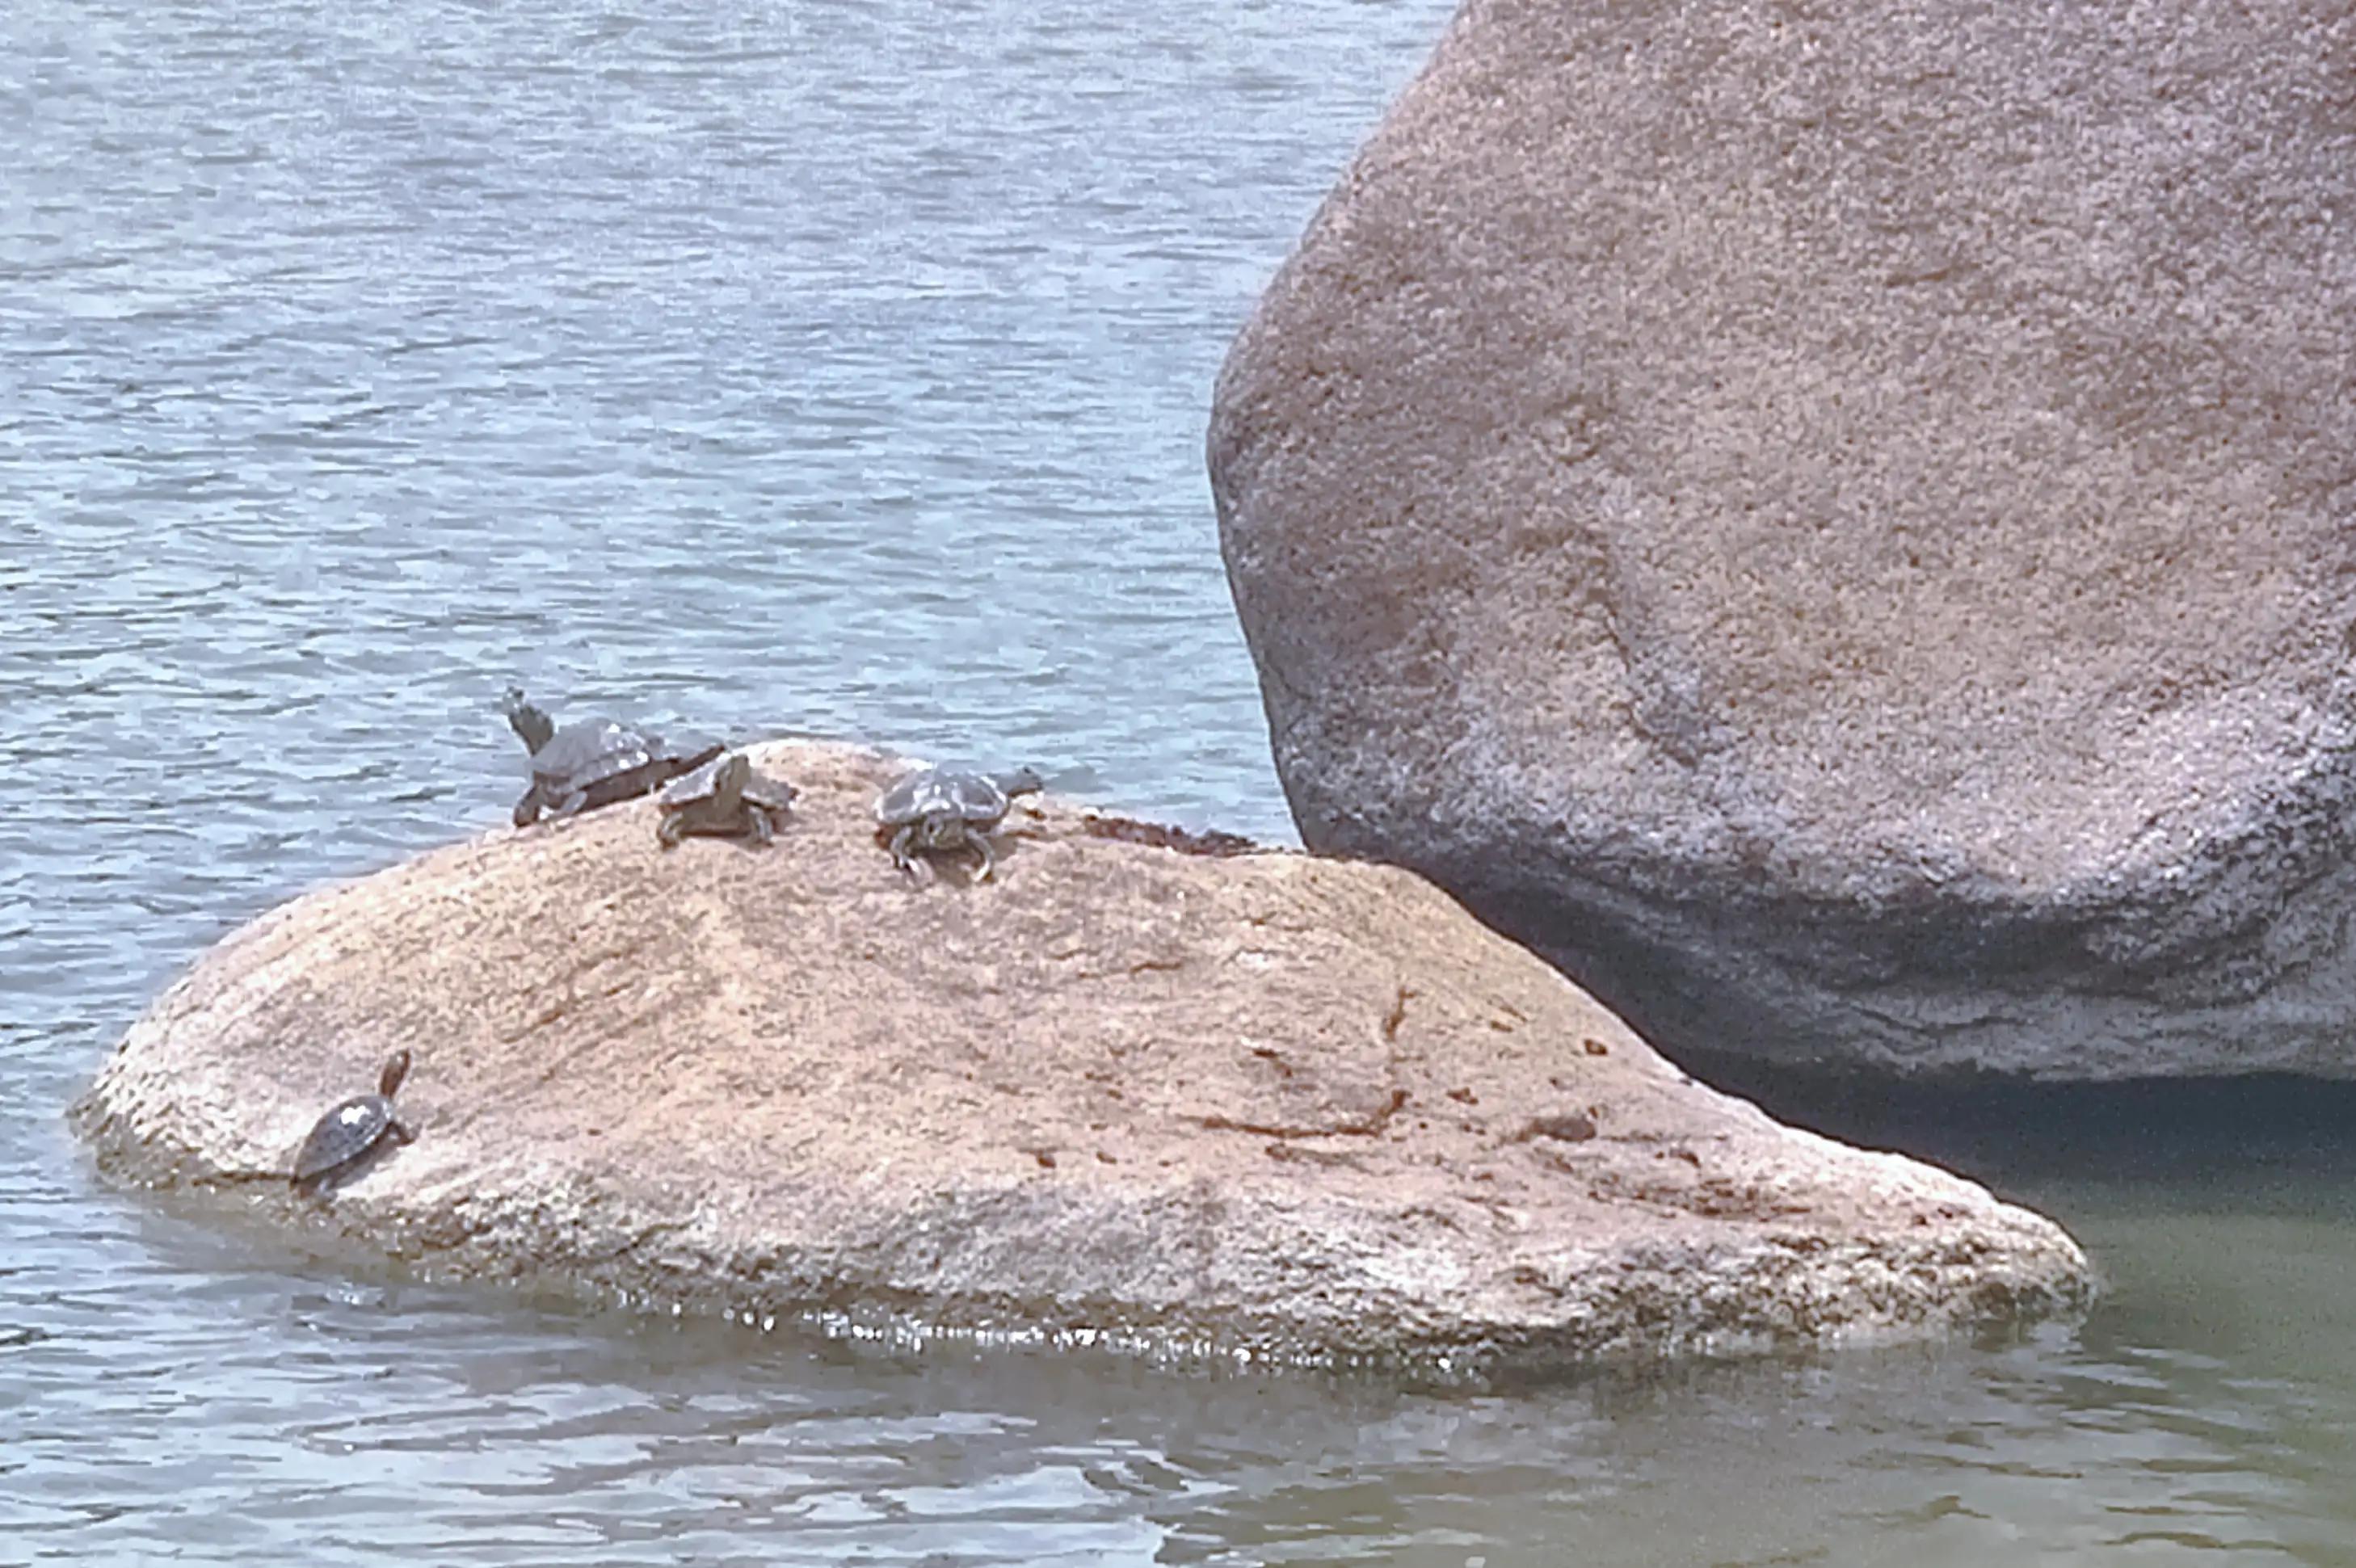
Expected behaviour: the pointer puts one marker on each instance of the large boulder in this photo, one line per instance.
(1261, 1102)
(1837, 524)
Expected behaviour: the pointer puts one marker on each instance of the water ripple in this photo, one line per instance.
(836, 367)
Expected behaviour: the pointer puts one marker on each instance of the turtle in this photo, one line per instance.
(725, 798)
(345, 1134)
(592, 762)
(941, 809)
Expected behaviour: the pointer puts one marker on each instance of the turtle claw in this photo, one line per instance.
(902, 861)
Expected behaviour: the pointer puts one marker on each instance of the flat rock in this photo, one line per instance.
(1255, 1103)
(1836, 524)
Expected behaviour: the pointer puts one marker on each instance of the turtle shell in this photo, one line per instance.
(604, 761)
(343, 1134)
(587, 753)
(702, 782)
(768, 794)
(353, 1127)
(937, 792)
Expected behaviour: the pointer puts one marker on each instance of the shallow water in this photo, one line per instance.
(840, 368)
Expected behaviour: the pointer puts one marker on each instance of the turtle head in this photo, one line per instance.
(396, 1068)
(533, 726)
(1022, 781)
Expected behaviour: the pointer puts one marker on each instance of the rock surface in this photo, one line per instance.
(1259, 1101)
(1834, 523)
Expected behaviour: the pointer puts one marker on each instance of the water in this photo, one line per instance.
(842, 368)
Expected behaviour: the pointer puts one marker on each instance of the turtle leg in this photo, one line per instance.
(671, 830)
(400, 1132)
(757, 826)
(572, 803)
(901, 859)
(981, 843)
(527, 810)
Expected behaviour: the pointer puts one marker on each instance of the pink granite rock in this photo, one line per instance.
(1838, 523)
(1185, 1103)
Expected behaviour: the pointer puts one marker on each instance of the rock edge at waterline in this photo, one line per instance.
(1302, 1108)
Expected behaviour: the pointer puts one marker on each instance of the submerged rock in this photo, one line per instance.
(1262, 1103)
(1835, 524)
